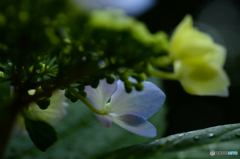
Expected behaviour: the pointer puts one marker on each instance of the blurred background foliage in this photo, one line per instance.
(81, 135)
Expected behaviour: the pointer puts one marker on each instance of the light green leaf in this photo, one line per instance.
(190, 145)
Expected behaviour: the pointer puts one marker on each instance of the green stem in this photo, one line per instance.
(161, 74)
(89, 105)
(8, 116)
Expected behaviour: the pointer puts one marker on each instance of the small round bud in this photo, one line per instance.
(139, 86)
(94, 83)
(142, 76)
(73, 98)
(128, 86)
(128, 90)
(110, 79)
(124, 76)
(81, 87)
(83, 93)
(44, 103)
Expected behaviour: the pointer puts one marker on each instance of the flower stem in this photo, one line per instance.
(8, 116)
(88, 104)
(161, 74)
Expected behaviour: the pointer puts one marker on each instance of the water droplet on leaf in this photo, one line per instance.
(211, 135)
(197, 137)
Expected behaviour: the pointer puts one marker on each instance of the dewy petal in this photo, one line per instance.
(101, 94)
(134, 124)
(140, 103)
(106, 121)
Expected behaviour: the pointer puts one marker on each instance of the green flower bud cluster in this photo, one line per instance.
(50, 47)
(70, 96)
(128, 83)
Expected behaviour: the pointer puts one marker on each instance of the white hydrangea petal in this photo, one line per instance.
(134, 124)
(106, 121)
(140, 103)
(19, 125)
(101, 94)
(55, 111)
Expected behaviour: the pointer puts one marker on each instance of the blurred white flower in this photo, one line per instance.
(55, 111)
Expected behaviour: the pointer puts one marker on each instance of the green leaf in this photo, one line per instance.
(42, 134)
(193, 144)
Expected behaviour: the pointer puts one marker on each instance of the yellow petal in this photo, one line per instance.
(202, 78)
(198, 61)
(187, 41)
(179, 32)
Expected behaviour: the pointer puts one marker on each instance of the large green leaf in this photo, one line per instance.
(190, 145)
(42, 134)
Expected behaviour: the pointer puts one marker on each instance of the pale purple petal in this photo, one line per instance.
(134, 124)
(140, 103)
(106, 121)
(101, 94)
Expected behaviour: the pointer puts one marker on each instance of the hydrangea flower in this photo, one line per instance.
(55, 111)
(130, 111)
(198, 61)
